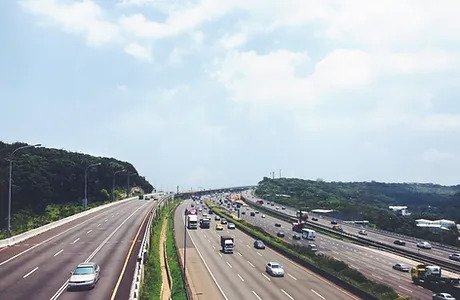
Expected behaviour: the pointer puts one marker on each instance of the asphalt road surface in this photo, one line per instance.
(40, 267)
(373, 263)
(242, 275)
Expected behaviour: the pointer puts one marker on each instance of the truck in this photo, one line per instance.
(430, 277)
(205, 223)
(227, 244)
(308, 234)
(192, 221)
(297, 227)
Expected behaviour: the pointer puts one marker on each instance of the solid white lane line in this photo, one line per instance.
(75, 241)
(251, 264)
(229, 264)
(98, 225)
(255, 294)
(405, 288)
(240, 277)
(290, 297)
(25, 276)
(248, 246)
(59, 252)
(89, 231)
(292, 276)
(239, 254)
(317, 294)
(259, 253)
(105, 220)
(220, 254)
(214, 247)
(268, 278)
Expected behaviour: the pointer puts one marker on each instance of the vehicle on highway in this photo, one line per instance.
(217, 218)
(140, 197)
(258, 244)
(257, 212)
(223, 221)
(145, 197)
(312, 247)
(455, 256)
(263, 216)
(252, 214)
(227, 244)
(280, 234)
(84, 275)
(205, 223)
(200, 209)
(399, 242)
(277, 207)
(424, 245)
(314, 219)
(296, 236)
(308, 234)
(243, 212)
(210, 212)
(401, 267)
(334, 222)
(443, 296)
(274, 269)
(362, 232)
(231, 226)
(337, 228)
(219, 227)
(277, 224)
(272, 204)
(192, 221)
(283, 207)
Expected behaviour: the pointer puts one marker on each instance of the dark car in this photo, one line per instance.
(223, 221)
(314, 219)
(258, 244)
(334, 222)
(277, 225)
(252, 214)
(399, 242)
(243, 212)
(280, 234)
(296, 236)
(455, 256)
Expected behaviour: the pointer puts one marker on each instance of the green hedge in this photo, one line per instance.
(178, 289)
(325, 263)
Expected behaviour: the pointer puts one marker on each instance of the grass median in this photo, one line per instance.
(327, 266)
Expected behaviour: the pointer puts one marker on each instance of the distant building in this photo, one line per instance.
(440, 224)
(402, 210)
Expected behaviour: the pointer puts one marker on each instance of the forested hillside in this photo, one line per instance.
(370, 201)
(43, 177)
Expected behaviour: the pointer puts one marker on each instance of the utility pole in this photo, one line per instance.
(280, 173)
(85, 201)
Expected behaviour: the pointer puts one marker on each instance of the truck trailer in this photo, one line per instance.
(192, 221)
(308, 234)
(430, 277)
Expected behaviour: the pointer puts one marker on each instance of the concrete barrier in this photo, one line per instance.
(31, 233)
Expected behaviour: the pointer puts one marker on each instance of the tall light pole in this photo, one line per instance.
(85, 200)
(9, 185)
(113, 182)
(127, 187)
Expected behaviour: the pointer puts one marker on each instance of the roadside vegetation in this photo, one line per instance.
(370, 201)
(151, 285)
(323, 264)
(48, 184)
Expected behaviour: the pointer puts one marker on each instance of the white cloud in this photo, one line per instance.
(85, 17)
(139, 52)
(234, 41)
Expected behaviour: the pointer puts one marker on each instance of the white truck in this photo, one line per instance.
(308, 234)
(226, 242)
(192, 221)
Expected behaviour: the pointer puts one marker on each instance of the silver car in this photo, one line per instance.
(84, 275)
(274, 269)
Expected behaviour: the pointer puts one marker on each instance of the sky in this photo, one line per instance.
(208, 94)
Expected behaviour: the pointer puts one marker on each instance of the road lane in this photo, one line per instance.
(74, 246)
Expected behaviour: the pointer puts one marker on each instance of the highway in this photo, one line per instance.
(373, 263)
(438, 251)
(242, 275)
(40, 267)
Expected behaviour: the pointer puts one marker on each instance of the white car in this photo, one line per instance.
(424, 245)
(274, 269)
(443, 296)
(263, 216)
(455, 256)
(84, 275)
(231, 226)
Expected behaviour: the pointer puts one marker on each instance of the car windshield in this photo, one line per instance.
(275, 266)
(83, 271)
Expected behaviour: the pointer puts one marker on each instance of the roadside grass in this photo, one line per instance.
(178, 289)
(323, 263)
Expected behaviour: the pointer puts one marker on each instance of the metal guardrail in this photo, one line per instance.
(138, 275)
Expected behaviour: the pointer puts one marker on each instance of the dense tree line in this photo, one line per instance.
(370, 201)
(43, 176)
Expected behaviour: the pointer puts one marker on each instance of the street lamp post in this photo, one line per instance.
(9, 185)
(113, 182)
(85, 200)
(127, 187)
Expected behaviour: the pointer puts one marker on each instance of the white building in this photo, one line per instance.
(400, 209)
(441, 224)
